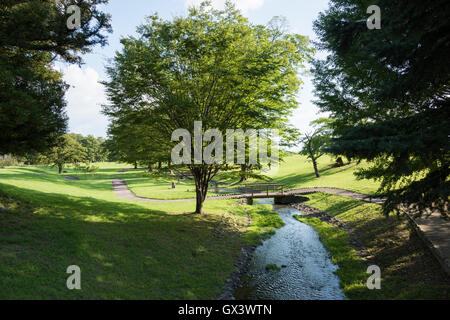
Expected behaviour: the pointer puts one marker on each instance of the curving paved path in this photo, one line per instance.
(122, 191)
(432, 229)
(71, 178)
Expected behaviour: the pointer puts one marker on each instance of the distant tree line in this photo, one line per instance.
(69, 148)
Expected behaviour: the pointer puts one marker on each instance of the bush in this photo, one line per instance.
(8, 160)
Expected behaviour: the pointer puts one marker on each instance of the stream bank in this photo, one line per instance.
(299, 265)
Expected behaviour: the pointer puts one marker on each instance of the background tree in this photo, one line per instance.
(67, 150)
(316, 142)
(32, 35)
(95, 149)
(211, 66)
(135, 142)
(389, 91)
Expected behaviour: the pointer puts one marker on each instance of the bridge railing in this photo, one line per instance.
(258, 188)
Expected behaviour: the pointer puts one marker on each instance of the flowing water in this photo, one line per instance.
(306, 273)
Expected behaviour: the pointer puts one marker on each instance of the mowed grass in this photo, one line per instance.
(125, 249)
(158, 185)
(141, 250)
(296, 171)
(408, 269)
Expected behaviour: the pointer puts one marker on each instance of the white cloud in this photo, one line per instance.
(84, 99)
(244, 5)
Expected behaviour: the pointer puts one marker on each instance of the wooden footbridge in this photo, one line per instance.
(265, 190)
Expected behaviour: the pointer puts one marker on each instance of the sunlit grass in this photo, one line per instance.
(408, 269)
(125, 249)
(296, 171)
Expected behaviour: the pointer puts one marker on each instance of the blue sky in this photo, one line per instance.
(86, 94)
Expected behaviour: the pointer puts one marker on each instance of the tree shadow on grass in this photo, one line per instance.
(124, 251)
(295, 179)
(409, 270)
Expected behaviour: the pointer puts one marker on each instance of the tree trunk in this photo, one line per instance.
(244, 172)
(135, 164)
(200, 198)
(150, 168)
(313, 159)
(202, 179)
(60, 168)
(159, 165)
(316, 171)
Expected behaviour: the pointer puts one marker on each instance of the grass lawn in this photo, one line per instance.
(143, 250)
(158, 186)
(126, 250)
(297, 172)
(408, 269)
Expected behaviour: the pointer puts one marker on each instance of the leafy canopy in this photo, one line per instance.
(211, 66)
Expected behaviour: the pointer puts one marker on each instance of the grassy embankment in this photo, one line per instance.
(408, 269)
(297, 172)
(157, 250)
(125, 249)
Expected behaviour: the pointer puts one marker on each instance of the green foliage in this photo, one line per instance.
(67, 150)
(95, 147)
(212, 66)
(408, 269)
(388, 90)
(316, 142)
(41, 26)
(272, 267)
(8, 160)
(32, 34)
(132, 141)
(31, 101)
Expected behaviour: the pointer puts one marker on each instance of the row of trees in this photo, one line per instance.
(69, 148)
(388, 91)
(76, 149)
(211, 66)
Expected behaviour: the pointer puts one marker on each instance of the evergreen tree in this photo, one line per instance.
(388, 90)
(32, 35)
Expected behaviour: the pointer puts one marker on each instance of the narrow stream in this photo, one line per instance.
(307, 271)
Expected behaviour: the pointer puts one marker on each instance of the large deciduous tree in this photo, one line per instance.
(211, 66)
(32, 35)
(388, 90)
